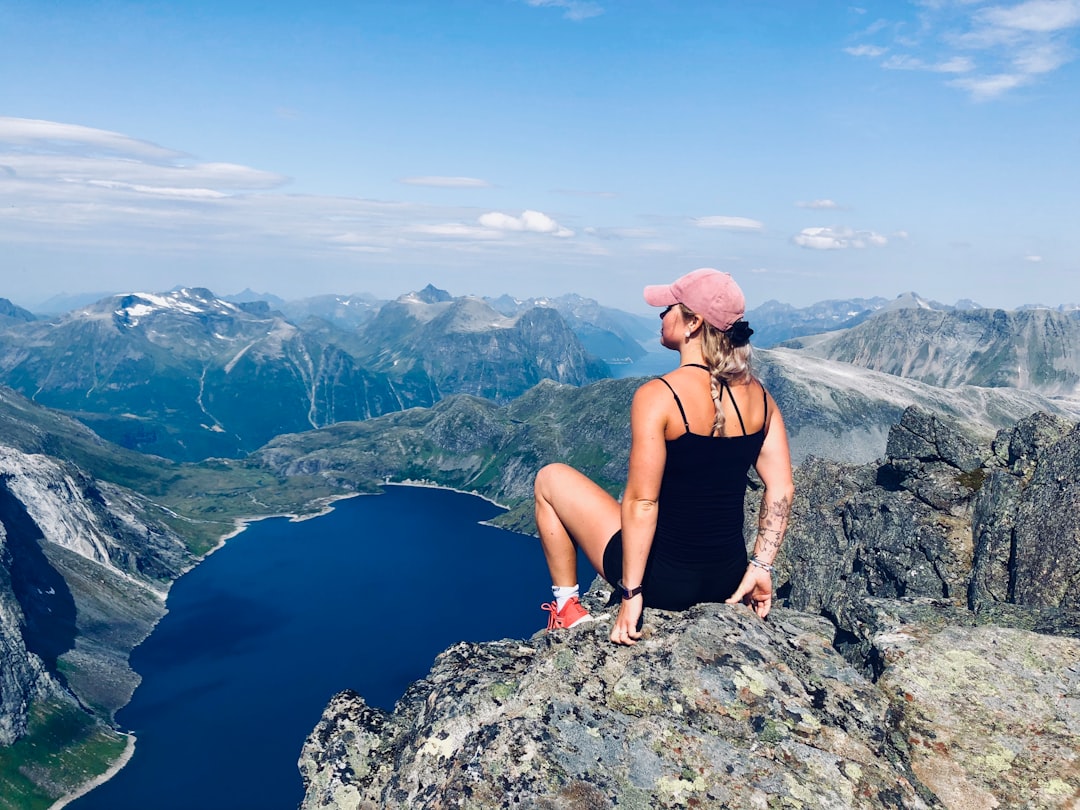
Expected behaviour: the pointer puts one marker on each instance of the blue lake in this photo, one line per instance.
(260, 635)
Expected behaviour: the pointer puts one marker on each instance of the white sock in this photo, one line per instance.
(562, 594)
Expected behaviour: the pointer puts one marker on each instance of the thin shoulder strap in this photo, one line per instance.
(734, 404)
(677, 402)
(765, 399)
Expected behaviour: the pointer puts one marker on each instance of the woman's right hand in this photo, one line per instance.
(755, 591)
(625, 630)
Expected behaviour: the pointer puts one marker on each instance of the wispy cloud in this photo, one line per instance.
(455, 229)
(85, 188)
(57, 138)
(817, 204)
(837, 238)
(990, 49)
(572, 9)
(621, 233)
(602, 195)
(729, 223)
(446, 182)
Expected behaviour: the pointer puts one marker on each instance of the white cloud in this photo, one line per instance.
(1041, 16)
(1044, 58)
(446, 182)
(865, 50)
(957, 64)
(984, 88)
(817, 204)
(530, 221)
(1033, 259)
(729, 223)
(837, 238)
(572, 9)
(1014, 44)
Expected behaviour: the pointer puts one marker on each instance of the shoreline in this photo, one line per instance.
(100, 779)
(424, 483)
(241, 523)
(239, 526)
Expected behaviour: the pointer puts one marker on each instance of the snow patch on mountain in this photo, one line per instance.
(138, 305)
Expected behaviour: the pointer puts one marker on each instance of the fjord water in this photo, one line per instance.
(261, 634)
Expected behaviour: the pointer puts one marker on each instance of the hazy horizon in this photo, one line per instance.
(86, 299)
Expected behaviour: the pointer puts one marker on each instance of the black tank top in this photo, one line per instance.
(702, 490)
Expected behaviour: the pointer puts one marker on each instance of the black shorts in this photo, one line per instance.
(676, 585)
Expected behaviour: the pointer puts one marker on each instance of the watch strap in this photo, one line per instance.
(629, 593)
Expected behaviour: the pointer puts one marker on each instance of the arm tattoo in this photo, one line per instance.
(772, 522)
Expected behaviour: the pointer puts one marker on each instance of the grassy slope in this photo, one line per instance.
(65, 748)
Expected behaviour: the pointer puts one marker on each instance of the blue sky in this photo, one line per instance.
(536, 147)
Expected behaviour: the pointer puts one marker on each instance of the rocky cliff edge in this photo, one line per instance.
(927, 656)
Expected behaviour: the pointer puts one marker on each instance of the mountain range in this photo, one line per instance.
(1032, 349)
(187, 375)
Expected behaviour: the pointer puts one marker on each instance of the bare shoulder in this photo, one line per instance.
(650, 391)
(650, 405)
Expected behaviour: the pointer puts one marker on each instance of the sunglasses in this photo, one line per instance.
(666, 311)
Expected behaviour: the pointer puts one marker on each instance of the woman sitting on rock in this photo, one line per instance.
(677, 537)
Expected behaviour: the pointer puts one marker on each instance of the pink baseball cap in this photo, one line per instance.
(710, 293)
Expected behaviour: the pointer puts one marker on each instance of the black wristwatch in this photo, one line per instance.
(629, 593)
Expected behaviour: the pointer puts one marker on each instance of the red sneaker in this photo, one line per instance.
(572, 614)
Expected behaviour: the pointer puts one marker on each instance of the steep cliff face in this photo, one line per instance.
(905, 669)
(84, 570)
(23, 677)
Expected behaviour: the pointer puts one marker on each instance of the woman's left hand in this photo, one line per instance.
(755, 590)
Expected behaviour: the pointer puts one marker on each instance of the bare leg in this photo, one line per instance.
(571, 509)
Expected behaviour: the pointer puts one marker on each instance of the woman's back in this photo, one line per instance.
(744, 405)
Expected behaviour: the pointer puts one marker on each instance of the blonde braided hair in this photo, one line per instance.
(727, 363)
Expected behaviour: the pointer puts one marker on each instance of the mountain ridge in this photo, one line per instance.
(1034, 349)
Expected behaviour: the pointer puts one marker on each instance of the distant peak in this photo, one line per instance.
(432, 295)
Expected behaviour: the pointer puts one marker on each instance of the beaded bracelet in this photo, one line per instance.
(763, 565)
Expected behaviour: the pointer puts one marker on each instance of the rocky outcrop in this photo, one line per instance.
(713, 709)
(716, 709)
(928, 655)
(991, 529)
